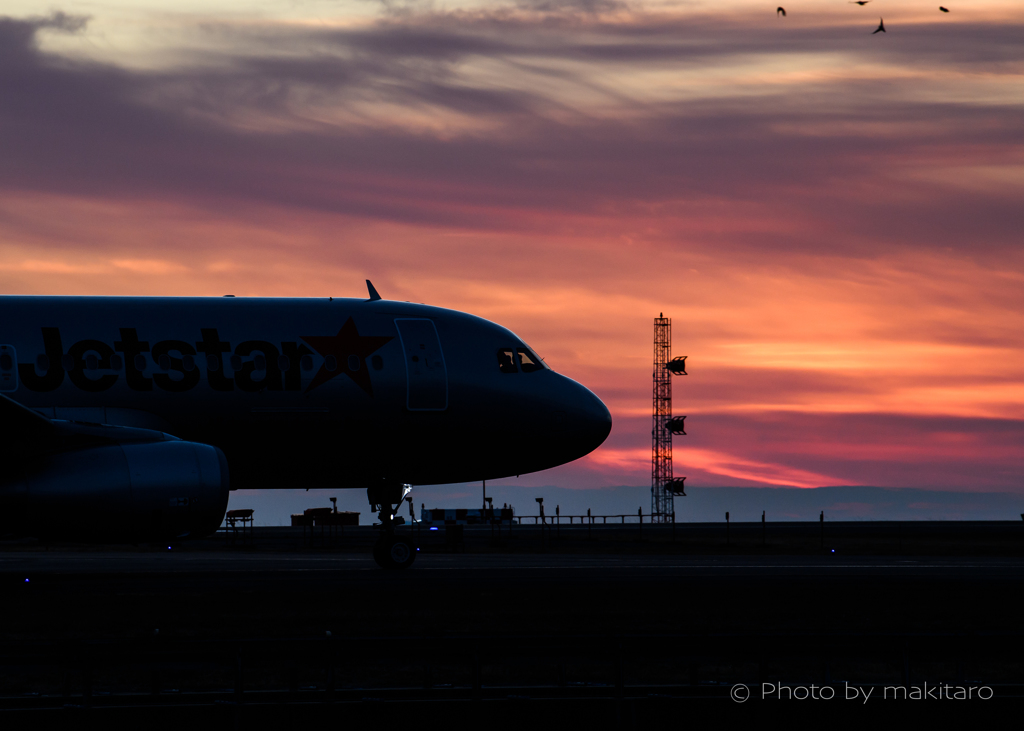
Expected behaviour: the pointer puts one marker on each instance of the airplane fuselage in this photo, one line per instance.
(302, 393)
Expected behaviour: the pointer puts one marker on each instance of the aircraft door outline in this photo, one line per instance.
(426, 374)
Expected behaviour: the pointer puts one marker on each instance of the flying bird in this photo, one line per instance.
(943, 9)
(780, 11)
(880, 28)
(859, 2)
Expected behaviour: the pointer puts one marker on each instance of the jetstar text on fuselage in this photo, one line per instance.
(252, 365)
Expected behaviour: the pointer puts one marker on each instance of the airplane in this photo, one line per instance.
(131, 418)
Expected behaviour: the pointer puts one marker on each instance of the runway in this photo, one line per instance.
(595, 634)
(254, 592)
(501, 567)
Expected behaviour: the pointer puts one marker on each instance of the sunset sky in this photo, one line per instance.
(833, 219)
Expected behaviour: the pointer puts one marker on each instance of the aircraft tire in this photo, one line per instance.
(394, 552)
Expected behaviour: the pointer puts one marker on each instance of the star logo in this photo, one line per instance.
(347, 352)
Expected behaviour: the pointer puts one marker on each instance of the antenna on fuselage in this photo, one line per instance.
(373, 291)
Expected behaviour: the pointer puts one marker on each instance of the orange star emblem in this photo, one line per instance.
(345, 353)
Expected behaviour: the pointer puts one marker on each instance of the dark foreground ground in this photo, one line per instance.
(616, 626)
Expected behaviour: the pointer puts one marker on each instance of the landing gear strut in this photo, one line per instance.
(391, 551)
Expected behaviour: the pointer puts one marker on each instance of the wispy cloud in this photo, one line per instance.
(832, 220)
(738, 470)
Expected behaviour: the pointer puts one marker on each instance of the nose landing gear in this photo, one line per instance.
(391, 551)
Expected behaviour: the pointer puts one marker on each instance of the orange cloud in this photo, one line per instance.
(713, 462)
(834, 228)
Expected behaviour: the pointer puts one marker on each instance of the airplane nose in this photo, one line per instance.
(562, 421)
(598, 421)
(590, 420)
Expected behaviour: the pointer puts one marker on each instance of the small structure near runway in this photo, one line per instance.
(455, 519)
(328, 520)
(465, 516)
(236, 521)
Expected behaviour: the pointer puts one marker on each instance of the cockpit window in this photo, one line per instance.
(506, 360)
(528, 361)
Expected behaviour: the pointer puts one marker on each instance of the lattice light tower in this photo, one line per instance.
(664, 486)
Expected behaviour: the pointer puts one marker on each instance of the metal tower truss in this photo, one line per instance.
(664, 486)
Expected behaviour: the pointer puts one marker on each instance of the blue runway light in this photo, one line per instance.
(434, 528)
(168, 548)
(26, 581)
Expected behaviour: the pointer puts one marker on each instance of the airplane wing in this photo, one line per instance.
(20, 424)
(71, 479)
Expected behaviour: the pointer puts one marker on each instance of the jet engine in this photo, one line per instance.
(135, 490)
